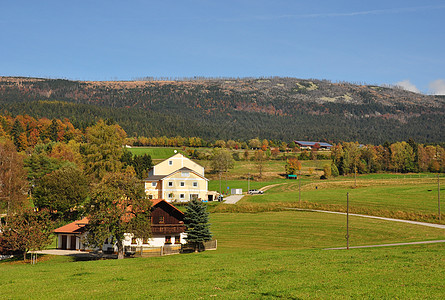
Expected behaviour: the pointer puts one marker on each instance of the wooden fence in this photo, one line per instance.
(144, 251)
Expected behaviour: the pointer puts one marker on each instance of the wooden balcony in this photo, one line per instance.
(167, 228)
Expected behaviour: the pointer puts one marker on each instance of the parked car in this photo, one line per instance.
(255, 192)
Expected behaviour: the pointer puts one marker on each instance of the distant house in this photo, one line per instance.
(177, 179)
(167, 227)
(310, 145)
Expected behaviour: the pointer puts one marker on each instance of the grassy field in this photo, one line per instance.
(156, 153)
(411, 195)
(281, 258)
(271, 254)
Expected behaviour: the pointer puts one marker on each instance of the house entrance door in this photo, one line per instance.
(73, 243)
(64, 238)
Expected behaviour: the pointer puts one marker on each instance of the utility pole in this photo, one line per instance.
(299, 189)
(220, 183)
(355, 175)
(347, 221)
(248, 183)
(438, 193)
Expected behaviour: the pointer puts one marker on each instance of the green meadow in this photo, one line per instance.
(266, 250)
(260, 256)
(156, 153)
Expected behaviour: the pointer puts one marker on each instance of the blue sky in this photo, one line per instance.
(375, 42)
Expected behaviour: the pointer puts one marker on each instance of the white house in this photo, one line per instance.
(167, 228)
(177, 178)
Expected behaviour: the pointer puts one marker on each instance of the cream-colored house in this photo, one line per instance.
(177, 179)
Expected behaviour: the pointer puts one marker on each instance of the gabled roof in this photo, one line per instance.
(159, 202)
(187, 170)
(78, 226)
(160, 177)
(74, 227)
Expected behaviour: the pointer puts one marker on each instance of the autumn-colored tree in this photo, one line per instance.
(13, 184)
(219, 144)
(231, 144)
(118, 205)
(103, 149)
(293, 166)
(275, 151)
(402, 157)
(26, 231)
(67, 151)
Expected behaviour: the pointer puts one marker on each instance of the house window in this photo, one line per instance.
(170, 163)
(170, 195)
(181, 196)
(150, 197)
(182, 183)
(194, 196)
(178, 239)
(133, 240)
(170, 183)
(161, 220)
(185, 174)
(168, 239)
(195, 183)
(153, 184)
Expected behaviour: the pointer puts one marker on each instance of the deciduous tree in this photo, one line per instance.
(13, 184)
(62, 192)
(118, 205)
(27, 231)
(104, 149)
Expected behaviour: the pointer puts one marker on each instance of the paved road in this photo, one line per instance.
(374, 217)
(389, 245)
(233, 199)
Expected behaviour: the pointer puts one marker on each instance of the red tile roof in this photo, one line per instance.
(74, 227)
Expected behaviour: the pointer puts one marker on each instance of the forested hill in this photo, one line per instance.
(273, 108)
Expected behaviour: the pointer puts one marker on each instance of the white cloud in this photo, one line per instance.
(407, 85)
(437, 87)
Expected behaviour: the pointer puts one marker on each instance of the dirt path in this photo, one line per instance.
(265, 188)
(389, 245)
(373, 217)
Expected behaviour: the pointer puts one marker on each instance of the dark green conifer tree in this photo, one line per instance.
(197, 225)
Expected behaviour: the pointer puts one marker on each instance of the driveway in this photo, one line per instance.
(75, 253)
(233, 199)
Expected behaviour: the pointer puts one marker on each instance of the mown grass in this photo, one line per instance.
(375, 197)
(260, 256)
(156, 153)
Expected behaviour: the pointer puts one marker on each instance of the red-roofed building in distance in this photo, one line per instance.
(313, 145)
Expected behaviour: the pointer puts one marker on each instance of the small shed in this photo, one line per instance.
(236, 191)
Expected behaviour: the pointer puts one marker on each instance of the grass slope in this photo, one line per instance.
(268, 255)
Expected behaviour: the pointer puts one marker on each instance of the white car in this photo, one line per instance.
(255, 192)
